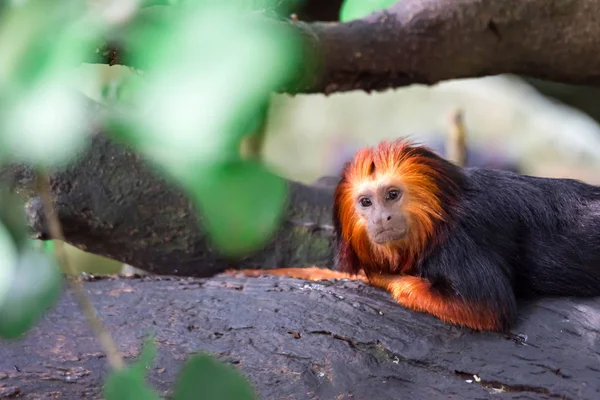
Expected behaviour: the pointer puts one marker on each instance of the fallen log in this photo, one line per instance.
(308, 340)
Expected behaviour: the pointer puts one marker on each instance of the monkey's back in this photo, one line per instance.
(546, 231)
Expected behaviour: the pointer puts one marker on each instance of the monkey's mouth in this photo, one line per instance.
(388, 235)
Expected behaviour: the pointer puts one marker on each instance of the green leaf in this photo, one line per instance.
(39, 38)
(354, 9)
(48, 246)
(45, 125)
(42, 117)
(12, 215)
(8, 261)
(241, 204)
(129, 383)
(197, 101)
(147, 356)
(203, 95)
(205, 378)
(34, 286)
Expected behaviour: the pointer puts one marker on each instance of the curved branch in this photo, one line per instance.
(429, 41)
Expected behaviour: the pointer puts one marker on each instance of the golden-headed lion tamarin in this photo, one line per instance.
(460, 243)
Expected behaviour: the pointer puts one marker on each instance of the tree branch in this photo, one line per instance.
(112, 203)
(428, 41)
(307, 340)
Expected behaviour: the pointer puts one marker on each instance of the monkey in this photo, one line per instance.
(461, 244)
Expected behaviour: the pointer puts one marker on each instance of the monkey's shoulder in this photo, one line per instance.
(534, 201)
(513, 183)
(523, 229)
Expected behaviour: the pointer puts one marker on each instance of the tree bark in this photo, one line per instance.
(429, 41)
(110, 202)
(308, 340)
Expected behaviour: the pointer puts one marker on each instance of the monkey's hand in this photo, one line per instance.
(309, 274)
(417, 294)
(248, 273)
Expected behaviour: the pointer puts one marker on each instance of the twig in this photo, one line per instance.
(252, 145)
(110, 347)
(456, 147)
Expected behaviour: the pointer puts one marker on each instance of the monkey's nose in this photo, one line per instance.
(389, 217)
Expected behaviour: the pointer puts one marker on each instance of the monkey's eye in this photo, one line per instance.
(365, 202)
(392, 194)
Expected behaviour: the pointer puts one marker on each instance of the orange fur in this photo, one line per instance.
(392, 163)
(309, 274)
(415, 293)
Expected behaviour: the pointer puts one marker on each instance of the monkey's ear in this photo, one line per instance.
(347, 260)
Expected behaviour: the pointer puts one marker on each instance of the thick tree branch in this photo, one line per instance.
(111, 202)
(428, 41)
(307, 340)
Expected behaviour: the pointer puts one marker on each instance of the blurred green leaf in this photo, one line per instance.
(34, 286)
(42, 118)
(129, 383)
(45, 126)
(241, 203)
(38, 38)
(354, 9)
(147, 356)
(199, 99)
(201, 96)
(12, 216)
(8, 261)
(48, 246)
(205, 378)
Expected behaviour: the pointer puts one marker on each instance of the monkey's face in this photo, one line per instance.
(379, 206)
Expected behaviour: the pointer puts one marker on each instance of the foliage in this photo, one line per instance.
(208, 70)
(30, 280)
(39, 43)
(354, 9)
(129, 383)
(204, 378)
(239, 224)
(197, 103)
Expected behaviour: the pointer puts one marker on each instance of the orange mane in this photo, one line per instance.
(429, 184)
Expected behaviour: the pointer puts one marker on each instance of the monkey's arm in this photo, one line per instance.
(465, 281)
(417, 294)
(310, 274)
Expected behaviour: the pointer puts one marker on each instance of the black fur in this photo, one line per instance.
(509, 236)
(515, 235)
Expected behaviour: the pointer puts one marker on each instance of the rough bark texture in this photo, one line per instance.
(111, 203)
(299, 340)
(428, 41)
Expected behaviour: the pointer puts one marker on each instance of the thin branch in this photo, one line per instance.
(456, 148)
(110, 347)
